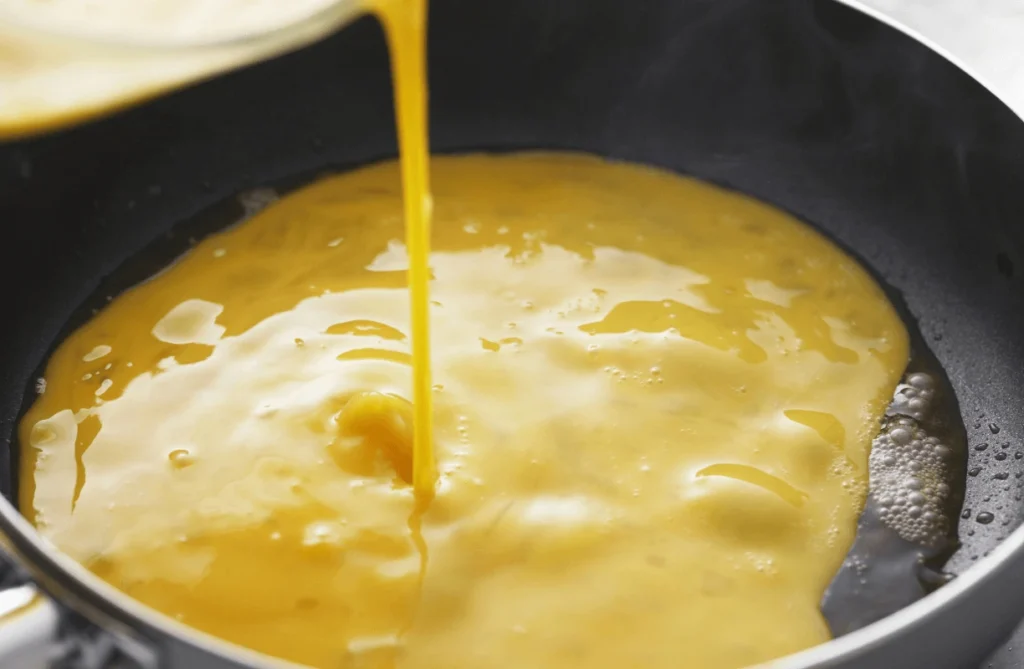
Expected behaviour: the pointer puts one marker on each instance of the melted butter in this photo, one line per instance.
(654, 401)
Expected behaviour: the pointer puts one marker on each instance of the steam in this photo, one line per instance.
(805, 73)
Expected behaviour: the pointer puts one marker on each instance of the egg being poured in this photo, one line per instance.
(654, 401)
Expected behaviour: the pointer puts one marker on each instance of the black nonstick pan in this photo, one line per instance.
(809, 105)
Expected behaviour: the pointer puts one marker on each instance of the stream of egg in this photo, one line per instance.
(655, 400)
(405, 24)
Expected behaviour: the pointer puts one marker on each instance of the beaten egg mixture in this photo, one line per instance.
(654, 400)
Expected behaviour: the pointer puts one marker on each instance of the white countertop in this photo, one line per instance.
(984, 37)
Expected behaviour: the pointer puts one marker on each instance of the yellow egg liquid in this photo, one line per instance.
(654, 400)
(405, 24)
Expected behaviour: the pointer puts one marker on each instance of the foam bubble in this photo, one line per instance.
(909, 468)
(914, 396)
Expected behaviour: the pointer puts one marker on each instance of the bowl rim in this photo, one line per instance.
(319, 21)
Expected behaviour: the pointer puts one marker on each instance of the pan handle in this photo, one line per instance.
(29, 628)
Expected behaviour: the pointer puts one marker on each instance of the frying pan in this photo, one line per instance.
(832, 115)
